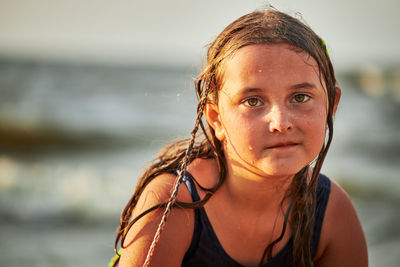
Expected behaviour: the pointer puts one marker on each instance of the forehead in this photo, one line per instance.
(276, 64)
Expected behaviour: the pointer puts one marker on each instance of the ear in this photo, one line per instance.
(338, 93)
(212, 115)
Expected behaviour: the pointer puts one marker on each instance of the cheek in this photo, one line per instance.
(241, 132)
(316, 131)
(236, 127)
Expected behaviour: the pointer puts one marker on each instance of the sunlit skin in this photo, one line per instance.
(271, 119)
(271, 112)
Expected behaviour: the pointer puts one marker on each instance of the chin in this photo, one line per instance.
(281, 174)
(281, 171)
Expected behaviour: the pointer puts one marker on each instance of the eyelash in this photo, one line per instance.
(307, 98)
(246, 102)
(259, 102)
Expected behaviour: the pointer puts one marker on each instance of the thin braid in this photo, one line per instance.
(178, 181)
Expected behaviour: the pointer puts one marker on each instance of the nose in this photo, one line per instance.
(279, 119)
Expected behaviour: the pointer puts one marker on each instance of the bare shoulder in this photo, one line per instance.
(159, 190)
(175, 238)
(342, 241)
(205, 171)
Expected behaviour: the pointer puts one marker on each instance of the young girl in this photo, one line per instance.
(252, 193)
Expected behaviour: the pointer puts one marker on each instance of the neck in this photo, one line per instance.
(254, 192)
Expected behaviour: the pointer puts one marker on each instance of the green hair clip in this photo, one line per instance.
(115, 258)
(326, 48)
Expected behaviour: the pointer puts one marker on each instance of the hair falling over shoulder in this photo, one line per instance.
(267, 26)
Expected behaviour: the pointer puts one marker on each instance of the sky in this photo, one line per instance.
(175, 32)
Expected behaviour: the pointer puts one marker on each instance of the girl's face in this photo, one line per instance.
(271, 112)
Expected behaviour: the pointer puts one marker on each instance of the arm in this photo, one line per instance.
(175, 238)
(342, 238)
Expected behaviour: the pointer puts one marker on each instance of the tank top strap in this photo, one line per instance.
(189, 183)
(198, 228)
(322, 195)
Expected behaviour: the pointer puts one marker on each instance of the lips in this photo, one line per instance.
(283, 145)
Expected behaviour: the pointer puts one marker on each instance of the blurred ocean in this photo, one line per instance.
(73, 139)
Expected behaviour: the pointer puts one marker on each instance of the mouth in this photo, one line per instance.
(283, 145)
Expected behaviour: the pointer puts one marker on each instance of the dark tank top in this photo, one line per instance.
(206, 251)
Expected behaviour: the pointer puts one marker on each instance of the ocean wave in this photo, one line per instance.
(38, 139)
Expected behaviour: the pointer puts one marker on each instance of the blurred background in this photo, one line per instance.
(90, 90)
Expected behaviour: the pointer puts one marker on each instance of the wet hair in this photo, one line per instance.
(267, 26)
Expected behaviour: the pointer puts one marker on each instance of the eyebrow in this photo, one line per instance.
(304, 85)
(252, 90)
